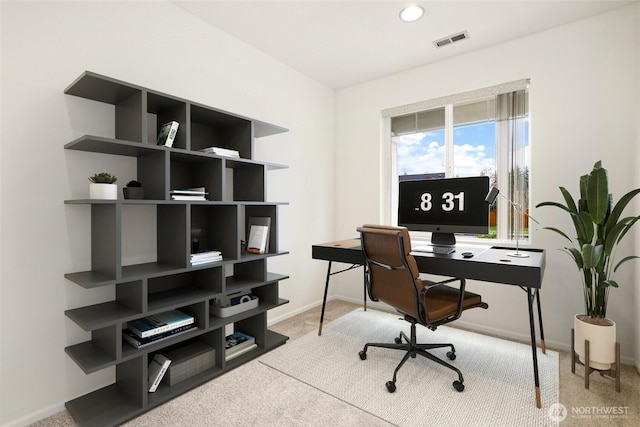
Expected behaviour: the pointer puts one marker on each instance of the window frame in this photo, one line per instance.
(389, 176)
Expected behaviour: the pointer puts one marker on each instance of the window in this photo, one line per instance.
(478, 133)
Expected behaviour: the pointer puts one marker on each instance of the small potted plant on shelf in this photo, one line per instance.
(133, 190)
(599, 228)
(102, 186)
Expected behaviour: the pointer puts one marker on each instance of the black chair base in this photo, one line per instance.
(412, 349)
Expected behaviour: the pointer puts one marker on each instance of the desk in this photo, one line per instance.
(488, 265)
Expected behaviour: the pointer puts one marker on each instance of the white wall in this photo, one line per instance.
(584, 107)
(45, 46)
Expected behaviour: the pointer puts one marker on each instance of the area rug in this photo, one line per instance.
(498, 374)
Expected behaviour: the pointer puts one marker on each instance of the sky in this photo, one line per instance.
(474, 151)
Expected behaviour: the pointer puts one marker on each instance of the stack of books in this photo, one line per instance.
(149, 330)
(238, 343)
(197, 193)
(205, 257)
(218, 151)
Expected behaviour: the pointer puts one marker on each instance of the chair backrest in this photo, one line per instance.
(393, 273)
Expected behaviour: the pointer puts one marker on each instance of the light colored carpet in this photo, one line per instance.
(499, 389)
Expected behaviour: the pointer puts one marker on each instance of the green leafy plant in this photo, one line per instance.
(103, 178)
(133, 184)
(599, 228)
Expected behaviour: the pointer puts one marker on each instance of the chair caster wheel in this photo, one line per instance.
(451, 355)
(391, 386)
(458, 386)
(398, 340)
(363, 355)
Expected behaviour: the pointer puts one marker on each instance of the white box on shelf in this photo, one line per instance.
(235, 309)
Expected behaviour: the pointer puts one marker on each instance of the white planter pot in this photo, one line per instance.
(103, 191)
(602, 342)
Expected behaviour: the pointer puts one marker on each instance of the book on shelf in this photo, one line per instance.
(157, 368)
(138, 342)
(205, 254)
(205, 257)
(159, 323)
(197, 193)
(258, 234)
(188, 198)
(167, 133)
(238, 343)
(219, 151)
(240, 352)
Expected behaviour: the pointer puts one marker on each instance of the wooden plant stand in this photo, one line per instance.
(613, 372)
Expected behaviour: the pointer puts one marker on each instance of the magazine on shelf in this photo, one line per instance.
(138, 342)
(238, 343)
(196, 191)
(159, 323)
(205, 257)
(167, 133)
(187, 198)
(219, 151)
(258, 239)
(157, 368)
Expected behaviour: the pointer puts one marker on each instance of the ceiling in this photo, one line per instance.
(344, 43)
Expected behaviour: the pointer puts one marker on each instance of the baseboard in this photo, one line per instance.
(289, 314)
(36, 416)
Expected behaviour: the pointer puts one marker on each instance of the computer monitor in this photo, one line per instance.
(444, 207)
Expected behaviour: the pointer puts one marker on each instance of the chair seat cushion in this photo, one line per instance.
(442, 302)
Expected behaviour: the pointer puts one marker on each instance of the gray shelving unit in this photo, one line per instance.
(171, 282)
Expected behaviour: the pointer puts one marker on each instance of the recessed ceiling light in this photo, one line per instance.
(411, 13)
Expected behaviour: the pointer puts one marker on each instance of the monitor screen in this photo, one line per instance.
(444, 206)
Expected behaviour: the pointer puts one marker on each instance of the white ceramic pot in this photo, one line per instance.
(602, 342)
(103, 191)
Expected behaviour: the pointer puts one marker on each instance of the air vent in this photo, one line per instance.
(451, 39)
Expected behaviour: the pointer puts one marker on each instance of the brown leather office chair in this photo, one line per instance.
(393, 277)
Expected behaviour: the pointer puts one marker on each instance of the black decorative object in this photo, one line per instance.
(133, 190)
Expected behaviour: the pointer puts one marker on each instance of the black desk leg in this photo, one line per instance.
(364, 281)
(324, 300)
(530, 297)
(544, 347)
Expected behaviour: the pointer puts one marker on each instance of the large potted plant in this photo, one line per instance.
(599, 227)
(102, 186)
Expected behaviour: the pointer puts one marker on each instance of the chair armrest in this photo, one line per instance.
(431, 285)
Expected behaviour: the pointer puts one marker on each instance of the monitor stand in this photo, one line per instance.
(443, 243)
(443, 239)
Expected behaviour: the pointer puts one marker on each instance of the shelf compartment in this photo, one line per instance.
(127, 99)
(192, 170)
(152, 161)
(185, 288)
(162, 109)
(216, 227)
(129, 351)
(251, 271)
(165, 392)
(244, 181)
(238, 284)
(268, 211)
(214, 128)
